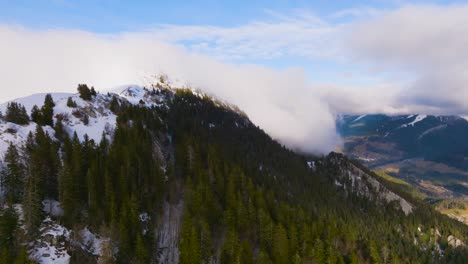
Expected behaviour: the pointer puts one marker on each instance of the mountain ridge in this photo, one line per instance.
(177, 165)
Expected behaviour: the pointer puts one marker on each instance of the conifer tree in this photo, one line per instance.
(71, 103)
(36, 115)
(32, 204)
(374, 253)
(47, 111)
(16, 113)
(13, 175)
(280, 248)
(85, 92)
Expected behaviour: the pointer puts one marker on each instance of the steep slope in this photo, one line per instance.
(171, 176)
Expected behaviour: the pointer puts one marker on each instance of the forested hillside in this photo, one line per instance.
(182, 178)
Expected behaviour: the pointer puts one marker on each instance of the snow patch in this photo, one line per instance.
(358, 118)
(91, 242)
(50, 247)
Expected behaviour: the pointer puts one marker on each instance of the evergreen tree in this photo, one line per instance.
(32, 204)
(36, 115)
(16, 113)
(280, 249)
(71, 103)
(47, 111)
(85, 92)
(374, 253)
(13, 175)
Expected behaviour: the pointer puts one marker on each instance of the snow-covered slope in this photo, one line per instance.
(100, 119)
(35, 99)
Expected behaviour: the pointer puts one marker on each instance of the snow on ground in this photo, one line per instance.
(91, 242)
(101, 119)
(17, 134)
(50, 247)
(143, 96)
(358, 118)
(34, 99)
(418, 118)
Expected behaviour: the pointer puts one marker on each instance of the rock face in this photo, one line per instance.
(168, 233)
(353, 179)
(455, 242)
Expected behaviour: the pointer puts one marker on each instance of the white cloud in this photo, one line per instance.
(278, 101)
(416, 53)
(427, 42)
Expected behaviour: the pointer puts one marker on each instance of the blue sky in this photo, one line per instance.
(112, 16)
(107, 17)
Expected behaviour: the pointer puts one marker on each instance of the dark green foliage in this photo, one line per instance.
(36, 114)
(16, 113)
(85, 92)
(246, 198)
(13, 175)
(86, 119)
(48, 111)
(11, 250)
(44, 116)
(71, 103)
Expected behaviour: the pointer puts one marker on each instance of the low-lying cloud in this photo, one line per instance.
(429, 43)
(278, 101)
(417, 53)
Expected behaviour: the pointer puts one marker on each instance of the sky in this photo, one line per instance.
(290, 65)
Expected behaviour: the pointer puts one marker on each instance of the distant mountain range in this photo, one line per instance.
(429, 151)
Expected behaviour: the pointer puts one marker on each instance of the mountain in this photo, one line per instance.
(429, 151)
(166, 175)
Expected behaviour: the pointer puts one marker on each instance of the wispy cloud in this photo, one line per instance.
(299, 34)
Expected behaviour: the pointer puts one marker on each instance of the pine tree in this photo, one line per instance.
(86, 119)
(319, 251)
(85, 92)
(36, 115)
(374, 253)
(280, 249)
(13, 175)
(71, 103)
(141, 253)
(32, 204)
(60, 132)
(16, 113)
(246, 255)
(47, 111)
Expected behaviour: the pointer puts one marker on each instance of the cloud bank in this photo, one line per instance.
(429, 43)
(416, 56)
(278, 101)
